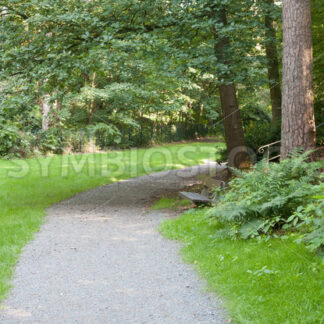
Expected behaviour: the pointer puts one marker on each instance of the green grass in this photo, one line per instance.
(173, 203)
(27, 187)
(262, 282)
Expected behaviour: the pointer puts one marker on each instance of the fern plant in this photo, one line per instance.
(264, 200)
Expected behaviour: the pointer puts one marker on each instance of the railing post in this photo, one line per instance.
(267, 147)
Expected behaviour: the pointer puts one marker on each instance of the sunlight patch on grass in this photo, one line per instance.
(173, 203)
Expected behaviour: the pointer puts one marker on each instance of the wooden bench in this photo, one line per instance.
(196, 198)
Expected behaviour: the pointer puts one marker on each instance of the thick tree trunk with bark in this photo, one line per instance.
(298, 123)
(234, 134)
(273, 62)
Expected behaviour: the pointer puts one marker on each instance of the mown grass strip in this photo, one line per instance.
(277, 281)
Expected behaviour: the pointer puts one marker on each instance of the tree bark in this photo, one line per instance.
(92, 103)
(46, 108)
(298, 122)
(234, 134)
(273, 62)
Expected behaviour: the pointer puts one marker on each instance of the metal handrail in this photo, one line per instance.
(264, 147)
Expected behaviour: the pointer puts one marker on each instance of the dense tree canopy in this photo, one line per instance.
(118, 67)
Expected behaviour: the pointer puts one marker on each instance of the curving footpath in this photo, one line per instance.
(98, 258)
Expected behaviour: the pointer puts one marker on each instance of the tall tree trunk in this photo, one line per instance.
(46, 108)
(92, 103)
(298, 122)
(234, 134)
(273, 62)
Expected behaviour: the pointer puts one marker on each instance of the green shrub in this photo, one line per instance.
(259, 134)
(52, 140)
(77, 139)
(106, 135)
(310, 220)
(266, 200)
(13, 142)
(8, 138)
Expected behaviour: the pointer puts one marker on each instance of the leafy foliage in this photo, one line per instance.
(119, 62)
(262, 133)
(310, 220)
(13, 142)
(273, 197)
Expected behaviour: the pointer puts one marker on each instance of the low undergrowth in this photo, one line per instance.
(261, 245)
(274, 200)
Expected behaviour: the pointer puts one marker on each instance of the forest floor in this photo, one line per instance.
(99, 258)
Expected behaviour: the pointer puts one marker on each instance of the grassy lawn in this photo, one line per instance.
(27, 187)
(171, 203)
(262, 282)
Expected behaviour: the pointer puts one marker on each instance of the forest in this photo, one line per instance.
(77, 74)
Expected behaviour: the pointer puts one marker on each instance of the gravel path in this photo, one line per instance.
(99, 259)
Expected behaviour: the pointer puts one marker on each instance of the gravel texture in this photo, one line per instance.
(100, 259)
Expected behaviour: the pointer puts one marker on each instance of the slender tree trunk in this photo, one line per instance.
(273, 62)
(56, 108)
(92, 103)
(234, 134)
(298, 122)
(46, 108)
